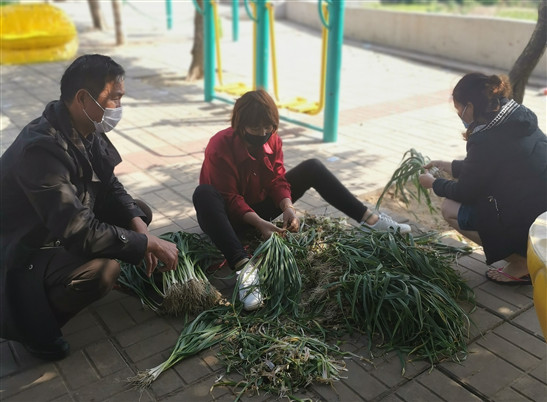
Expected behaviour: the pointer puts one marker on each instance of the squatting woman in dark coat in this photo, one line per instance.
(501, 185)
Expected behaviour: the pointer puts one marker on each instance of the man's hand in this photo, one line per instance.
(150, 260)
(162, 250)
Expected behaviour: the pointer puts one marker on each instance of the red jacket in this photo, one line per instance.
(242, 179)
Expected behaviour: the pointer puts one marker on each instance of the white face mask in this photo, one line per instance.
(465, 124)
(111, 118)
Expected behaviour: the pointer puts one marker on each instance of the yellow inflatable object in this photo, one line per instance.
(537, 260)
(33, 33)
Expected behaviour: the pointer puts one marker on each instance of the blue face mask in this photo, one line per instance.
(465, 124)
(257, 140)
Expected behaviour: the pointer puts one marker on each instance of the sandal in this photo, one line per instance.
(524, 280)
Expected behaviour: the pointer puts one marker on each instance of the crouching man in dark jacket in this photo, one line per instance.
(64, 216)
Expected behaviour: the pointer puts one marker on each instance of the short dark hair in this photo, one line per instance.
(90, 72)
(254, 109)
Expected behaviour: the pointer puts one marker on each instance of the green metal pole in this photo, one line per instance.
(208, 51)
(169, 12)
(261, 47)
(235, 20)
(334, 66)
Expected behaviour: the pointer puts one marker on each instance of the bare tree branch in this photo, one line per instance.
(530, 56)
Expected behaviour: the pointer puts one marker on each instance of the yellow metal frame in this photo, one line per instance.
(299, 104)
(237, 88)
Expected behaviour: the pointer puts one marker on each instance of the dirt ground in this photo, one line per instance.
(418, 213)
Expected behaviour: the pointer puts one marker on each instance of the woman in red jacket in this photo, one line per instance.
(243, 184)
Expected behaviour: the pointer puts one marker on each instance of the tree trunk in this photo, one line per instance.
(117, 11)
(529, 58)
(96, 15)
(195, 72)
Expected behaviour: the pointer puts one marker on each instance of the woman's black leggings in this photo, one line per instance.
(213, 217)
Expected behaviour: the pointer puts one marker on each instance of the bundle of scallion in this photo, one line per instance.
(134, 278)
(184, 290)
(280, 281)
(187, 289)
(205, 331)
(408, 171)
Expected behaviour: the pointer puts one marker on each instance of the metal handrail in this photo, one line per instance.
(249, 13)
(320, 11)
(321, 102)
(217, 41)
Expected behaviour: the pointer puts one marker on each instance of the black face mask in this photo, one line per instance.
(257, 140)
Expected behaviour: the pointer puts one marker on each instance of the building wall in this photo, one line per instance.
(493, 43)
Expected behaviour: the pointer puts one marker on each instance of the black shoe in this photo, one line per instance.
(56, 350)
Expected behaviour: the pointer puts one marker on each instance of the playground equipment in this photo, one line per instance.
(297, 104)
(238, 88)
(169, 13)
(262, 16)
(34, 33)
(300, 104)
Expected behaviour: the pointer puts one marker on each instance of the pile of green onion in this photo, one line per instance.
(327, 281)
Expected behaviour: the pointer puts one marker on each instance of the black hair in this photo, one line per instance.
(485, 92)
(90, 72)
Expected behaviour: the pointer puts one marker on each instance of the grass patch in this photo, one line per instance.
(525, 11)
(518, 14)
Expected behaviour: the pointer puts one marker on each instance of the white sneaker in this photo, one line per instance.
(386, 223)
(249, 291)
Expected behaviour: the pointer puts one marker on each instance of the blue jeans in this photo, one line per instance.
(467, 217)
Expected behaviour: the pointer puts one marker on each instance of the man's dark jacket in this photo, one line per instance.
(49, 197)
(505, 176)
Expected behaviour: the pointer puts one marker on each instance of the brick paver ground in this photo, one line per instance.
(388, 105)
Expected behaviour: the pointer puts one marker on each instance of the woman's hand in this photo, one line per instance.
(268, 228)
(290, 220)
(426, 179)
(441, 165)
